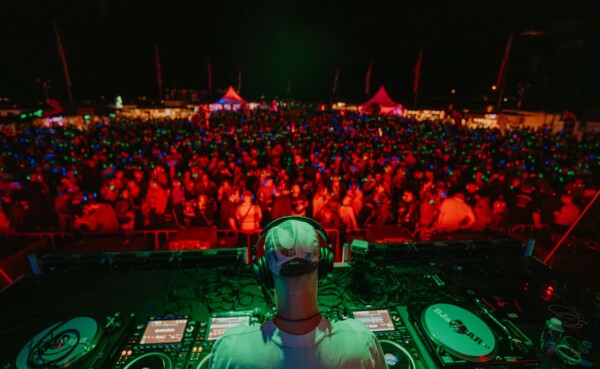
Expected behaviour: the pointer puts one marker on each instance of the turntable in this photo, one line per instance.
(458, 338)
(77, 342)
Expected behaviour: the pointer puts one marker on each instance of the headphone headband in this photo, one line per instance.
(325, 264)
(274, 223)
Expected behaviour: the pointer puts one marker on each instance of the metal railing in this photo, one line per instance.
(225, 237)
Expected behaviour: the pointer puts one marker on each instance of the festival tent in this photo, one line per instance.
(230, 101)
(385, 103)
(231, 97)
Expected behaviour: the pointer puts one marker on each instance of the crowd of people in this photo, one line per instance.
(239, 170)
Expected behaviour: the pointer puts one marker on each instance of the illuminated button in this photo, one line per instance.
(124, 352)
(129, 352)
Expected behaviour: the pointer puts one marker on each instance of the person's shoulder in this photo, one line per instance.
(354, 342)
(240, 330)
(234, 346)
(350, 325)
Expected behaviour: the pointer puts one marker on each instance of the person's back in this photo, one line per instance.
(282, 206)
(106, 218)
(568, 212)
(297, 336)
(455, 214)
(523, 207)
(227, 213)
(338, 344)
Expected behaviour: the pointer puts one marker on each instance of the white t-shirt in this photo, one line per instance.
(339, 344)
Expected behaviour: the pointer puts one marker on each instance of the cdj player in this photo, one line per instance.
(176, 342)
(397, 343)
(162, 342)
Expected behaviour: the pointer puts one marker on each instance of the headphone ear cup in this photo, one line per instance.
(325, 263)
(263, 273)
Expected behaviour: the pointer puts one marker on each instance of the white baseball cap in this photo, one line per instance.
(292, 248)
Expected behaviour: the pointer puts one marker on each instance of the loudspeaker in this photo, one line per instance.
(326, 258)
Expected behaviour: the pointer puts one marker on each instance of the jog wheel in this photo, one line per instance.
(396, 356)
(151, 360)
(204, 363)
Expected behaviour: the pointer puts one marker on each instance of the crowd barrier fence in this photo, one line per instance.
(161, 237)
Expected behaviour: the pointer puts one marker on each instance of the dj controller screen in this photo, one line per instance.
(219, 324)
(375, 320)
(164, 331)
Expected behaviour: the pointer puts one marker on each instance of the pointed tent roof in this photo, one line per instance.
(382, 99)
(231, 97)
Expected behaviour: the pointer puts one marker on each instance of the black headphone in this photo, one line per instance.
(291, 268)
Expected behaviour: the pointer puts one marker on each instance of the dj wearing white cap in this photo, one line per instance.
(298, 336)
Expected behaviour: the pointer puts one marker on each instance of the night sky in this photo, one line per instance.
(109, 46)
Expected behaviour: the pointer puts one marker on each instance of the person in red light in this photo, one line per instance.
(408, 211)
(282, 204)
(204, 215)
(347, 214)
(568, 213)
(454, 214)
(299, 200)
(248, 214)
